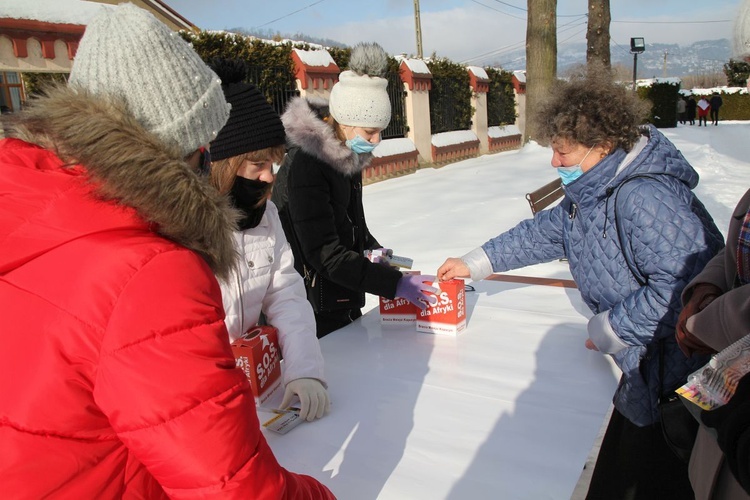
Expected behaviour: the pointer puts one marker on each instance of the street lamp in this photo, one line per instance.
(637, 46)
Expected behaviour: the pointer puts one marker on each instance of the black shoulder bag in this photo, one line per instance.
(678, 425)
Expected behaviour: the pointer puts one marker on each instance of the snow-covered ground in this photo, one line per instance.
(438, 213)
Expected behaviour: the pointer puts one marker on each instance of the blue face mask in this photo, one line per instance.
(569, 174)
(359, 145)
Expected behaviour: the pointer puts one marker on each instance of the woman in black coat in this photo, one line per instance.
(318, 191)
(690, 107)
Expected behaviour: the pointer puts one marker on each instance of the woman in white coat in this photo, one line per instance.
(242, 158)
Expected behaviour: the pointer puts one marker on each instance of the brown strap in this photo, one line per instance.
(531, 280)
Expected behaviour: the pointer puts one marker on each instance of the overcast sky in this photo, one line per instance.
(462, 30)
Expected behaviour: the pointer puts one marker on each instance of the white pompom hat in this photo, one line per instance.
(360, 97)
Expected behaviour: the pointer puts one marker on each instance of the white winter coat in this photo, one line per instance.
(267, 281)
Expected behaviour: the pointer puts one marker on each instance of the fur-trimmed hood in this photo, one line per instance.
(306, 129)
(127, 164)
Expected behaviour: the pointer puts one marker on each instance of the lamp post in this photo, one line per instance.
(637, 46)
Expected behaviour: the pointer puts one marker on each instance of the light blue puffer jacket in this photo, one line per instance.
(668, 237)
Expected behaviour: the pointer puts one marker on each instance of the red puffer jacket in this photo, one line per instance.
(116, 376)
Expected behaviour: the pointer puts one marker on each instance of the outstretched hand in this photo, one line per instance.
(417, 289)
(453, 267)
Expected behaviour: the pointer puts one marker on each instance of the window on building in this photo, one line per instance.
(11, 92)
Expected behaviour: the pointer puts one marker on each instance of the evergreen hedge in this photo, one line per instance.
(663, 97)
(501, 101)
(450, 97)
(272, 62)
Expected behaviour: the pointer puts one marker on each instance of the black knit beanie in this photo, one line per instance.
(253, 123)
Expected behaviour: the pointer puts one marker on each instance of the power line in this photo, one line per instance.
(521, 9)
(290, 14)
(526, 10)
(517, 45)
(500, 11)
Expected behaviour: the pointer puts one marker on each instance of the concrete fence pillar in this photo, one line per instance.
(417, 80)
(316, 72)
(480, 86)
(519, 92)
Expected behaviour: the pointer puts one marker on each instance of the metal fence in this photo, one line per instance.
(445, 112)
(276, 82)
(397, 126)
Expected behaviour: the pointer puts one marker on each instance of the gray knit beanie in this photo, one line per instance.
(360, 97)
(127, 53)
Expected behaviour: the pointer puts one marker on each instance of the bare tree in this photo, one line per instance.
(597, 34)
(704, 80)
(541, 56)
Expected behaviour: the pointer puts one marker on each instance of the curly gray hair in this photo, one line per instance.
(591, 109)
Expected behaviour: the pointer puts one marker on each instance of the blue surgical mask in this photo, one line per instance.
(569, 174)
(359, 145)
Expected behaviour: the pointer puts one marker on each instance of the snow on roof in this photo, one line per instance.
(315, 58)
(417, 66)
(51, 11)
(502, 131)
(392, 147)
(478, 72)
(520, 75)
(454, 137)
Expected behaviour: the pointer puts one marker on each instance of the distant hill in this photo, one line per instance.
(706, 56)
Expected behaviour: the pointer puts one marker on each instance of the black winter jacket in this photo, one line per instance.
(318, 191)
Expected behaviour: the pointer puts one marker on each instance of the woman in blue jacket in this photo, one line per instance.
(634, 235)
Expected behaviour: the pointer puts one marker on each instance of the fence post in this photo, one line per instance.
(316, 72)
(417, 82)
(519, 92)
(480, 85)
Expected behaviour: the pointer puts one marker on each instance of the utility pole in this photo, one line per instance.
(418, 26)
(666, 52)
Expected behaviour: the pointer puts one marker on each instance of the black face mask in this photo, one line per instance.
(250, 197)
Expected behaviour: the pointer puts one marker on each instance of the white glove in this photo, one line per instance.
(313, 397)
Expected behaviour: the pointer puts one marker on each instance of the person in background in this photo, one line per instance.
(704, 107)
(634, 234)
(681, 109)
(265, 281)
(319, 194)
(716, 314)
(116, 375)
(716, 103)
(691, 107)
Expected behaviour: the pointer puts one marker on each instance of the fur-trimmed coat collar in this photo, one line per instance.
(306, 130)
(129, 165)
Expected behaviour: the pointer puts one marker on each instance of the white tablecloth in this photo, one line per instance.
(508, 409)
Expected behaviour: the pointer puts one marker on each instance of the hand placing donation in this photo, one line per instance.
(313, 397)
(453, 267)
(416, 288)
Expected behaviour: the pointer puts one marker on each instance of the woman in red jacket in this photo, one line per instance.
(116, 376)
(704, 107)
